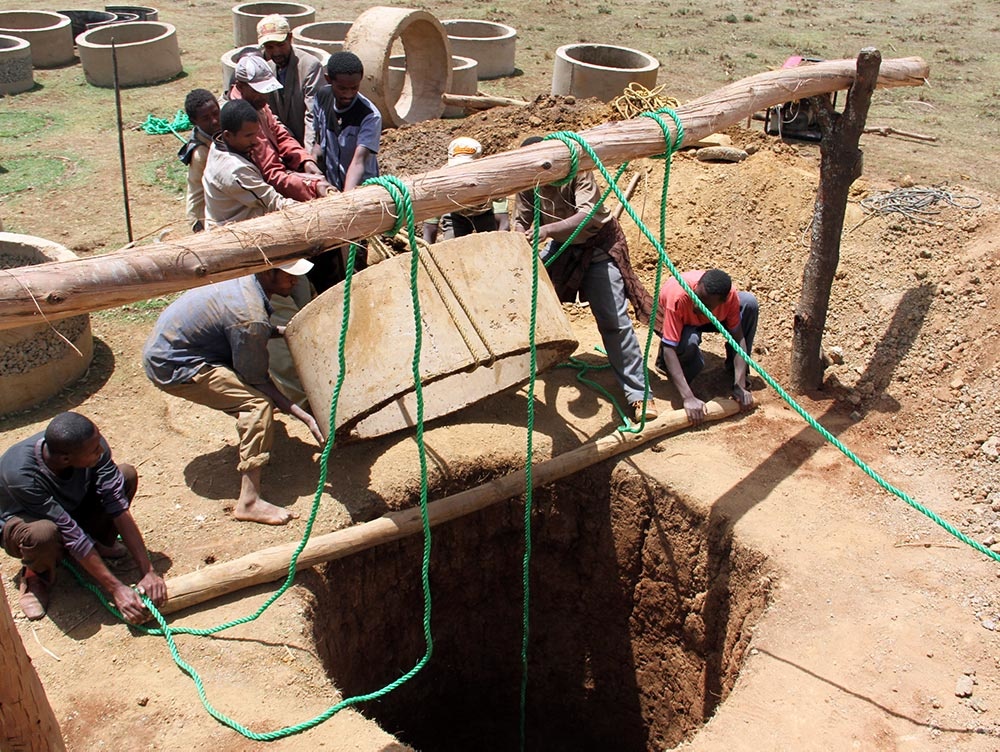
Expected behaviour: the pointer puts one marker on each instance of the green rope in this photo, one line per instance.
(401, 196)
(160, 127)
(830, 438)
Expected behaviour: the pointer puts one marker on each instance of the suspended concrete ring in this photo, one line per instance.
(16, 74)
(144, 12)
(492, 44)
(147, 53)
(247, 15)
(327, 35)
(463, 80)
(601, 70)
(475, 303)
(423, 38)
(35, 360)
(49, 34)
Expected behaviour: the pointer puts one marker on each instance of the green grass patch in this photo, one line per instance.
(169, 173)
(15, 124)
(20, 173)
(141, 310)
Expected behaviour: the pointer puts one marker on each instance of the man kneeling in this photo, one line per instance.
(61, 492)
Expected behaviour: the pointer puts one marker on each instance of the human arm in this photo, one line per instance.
(693, 406)
(312, 80)
(126, 599)
(356, 170)
(502, 215)
(562, 228)
(150, 584)
(252, 189)
(195, 190)
(285, 405)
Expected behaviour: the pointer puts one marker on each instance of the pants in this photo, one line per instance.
(688, 351)
(602, 285)
(38, 543)
(221, 389)
(459, 225)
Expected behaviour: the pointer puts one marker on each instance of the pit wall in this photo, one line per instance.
(641, 616)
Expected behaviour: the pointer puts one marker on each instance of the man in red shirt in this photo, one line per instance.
(680, 324)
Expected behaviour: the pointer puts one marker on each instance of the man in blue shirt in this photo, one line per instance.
(60, 492)
(210, 347)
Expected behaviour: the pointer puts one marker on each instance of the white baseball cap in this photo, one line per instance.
(464, 149)
(254, 70)
(297, 267)
(272, 28)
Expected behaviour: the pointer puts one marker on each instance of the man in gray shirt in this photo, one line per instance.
(210, 347)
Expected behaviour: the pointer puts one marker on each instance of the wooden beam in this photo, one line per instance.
(60, 289)
(272, 563)
(480, 101)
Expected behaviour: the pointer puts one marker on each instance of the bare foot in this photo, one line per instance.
(263, 512)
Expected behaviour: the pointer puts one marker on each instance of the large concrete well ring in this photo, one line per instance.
(228, 61)
(81, 20)
(35, 361)
(144, 12)
(327, 35)
(463, 80)
(475, 300)
(492, 44)
(49, 34)
(16, 73)
(601, 70)
(423, 38)
(147, 53)
(247, 15)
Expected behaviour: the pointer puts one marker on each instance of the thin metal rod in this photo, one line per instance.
(121, 139)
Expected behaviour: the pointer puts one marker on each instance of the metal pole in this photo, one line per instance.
(121, 139)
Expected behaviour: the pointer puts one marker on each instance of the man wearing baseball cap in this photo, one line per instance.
(464, 221)
(285, 165)
(210, 347)
(299, 73)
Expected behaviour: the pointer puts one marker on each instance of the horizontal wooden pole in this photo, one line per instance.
(271, 564)
(480, 101)
(66, 288)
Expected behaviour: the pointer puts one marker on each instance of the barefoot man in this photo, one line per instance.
(210, 346)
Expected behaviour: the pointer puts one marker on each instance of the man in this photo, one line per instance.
(348, 125)
(285, 165)
(300, 75)
(680, 325)
(60, 492)
(348, 132)
(210, 347)
(464, 221)
(234, 188)
(202, 110)
(597, 266)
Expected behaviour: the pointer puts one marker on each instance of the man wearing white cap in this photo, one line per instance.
(210, 347)
(466, 220)
(285, 165)
(299, 73)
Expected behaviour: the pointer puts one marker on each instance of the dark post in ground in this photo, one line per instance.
(840, 166)
(27, 723)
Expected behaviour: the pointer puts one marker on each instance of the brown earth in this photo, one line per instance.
(875, 613)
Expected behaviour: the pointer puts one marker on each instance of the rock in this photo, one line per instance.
(836, 355)
(907, 181)
(989, 624)
(963, 687)
(991, 447)
(720, 154)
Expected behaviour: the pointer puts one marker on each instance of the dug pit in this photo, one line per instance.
(641, 613)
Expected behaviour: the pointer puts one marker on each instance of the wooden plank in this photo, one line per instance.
(271, 564)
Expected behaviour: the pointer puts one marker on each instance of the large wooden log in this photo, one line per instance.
(27, 723)
(271, 564)
(61, 289)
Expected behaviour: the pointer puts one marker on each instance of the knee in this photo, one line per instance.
(131, 479)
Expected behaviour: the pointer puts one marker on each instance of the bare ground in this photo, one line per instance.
(876, 612)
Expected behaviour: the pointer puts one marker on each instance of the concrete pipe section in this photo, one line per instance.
(246, 16)
(16, 74)
(35, 361)
(601, 70)
(228, 61)
(49, 34)
(81, 20)
(147, 53)
(492, 44)
(463, 80)
(327, 35)
(423, 38)
(144, 12)
(475, 300)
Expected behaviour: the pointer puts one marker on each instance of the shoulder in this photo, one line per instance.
(306, 61)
